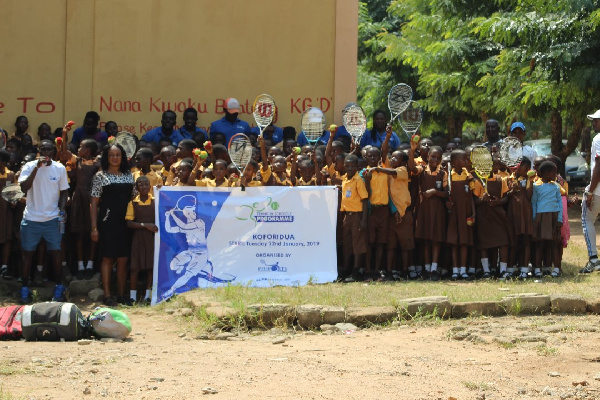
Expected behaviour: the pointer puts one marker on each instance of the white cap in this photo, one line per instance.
(232, 105)
(595, 115)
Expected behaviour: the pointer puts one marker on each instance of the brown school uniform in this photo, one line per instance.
(6, 212)
(431, 216)
(271, 179)
(80, 218)
(519, 211)
(458, 232)
(211, 183)
(544, 224)
(142, 245)
(354, 192)
(491, 224)
(312, 182)
(379, 212)
(402, 233)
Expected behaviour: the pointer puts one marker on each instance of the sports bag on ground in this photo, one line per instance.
(110, 323)
(52, 321)
(10, 323)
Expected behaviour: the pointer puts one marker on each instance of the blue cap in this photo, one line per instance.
(517, 125)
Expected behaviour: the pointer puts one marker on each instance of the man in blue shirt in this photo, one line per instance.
(89, 130)
(189, 130)
(166, 130)
(230, 124)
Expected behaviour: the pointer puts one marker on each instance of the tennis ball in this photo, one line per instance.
(297, 150)
(208, 145)
(70, 123)
(197, 151)
(332, 127)
(58, 141)
(530, 173)
(203, 155)
(111, 140)
(416, 138)
(470, 221)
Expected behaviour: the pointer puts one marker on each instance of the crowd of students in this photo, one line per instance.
(407, 210)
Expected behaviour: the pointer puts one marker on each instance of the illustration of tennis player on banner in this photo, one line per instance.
(193, 262)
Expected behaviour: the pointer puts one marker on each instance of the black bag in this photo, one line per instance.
(53, 321)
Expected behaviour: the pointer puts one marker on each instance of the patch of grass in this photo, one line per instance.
(5, 395)
(479, 386)
(6, 369)
(546, 351)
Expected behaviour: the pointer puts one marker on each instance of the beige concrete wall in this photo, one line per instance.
(132, 59)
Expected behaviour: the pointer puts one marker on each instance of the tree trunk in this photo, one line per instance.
(556, 144)
(454, 125)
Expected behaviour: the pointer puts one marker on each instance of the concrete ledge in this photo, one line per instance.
(567, 304)
(527, 303)
(477, 308)
(312, 316)
(84, 286)
(434, 305)
(270, 314)
(375, 315)
(593, 306)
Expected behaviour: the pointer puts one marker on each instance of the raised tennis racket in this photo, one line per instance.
(128, 142)
(511, 152)
(482, 162)
(399, 98)
(313, 124)
(240, 151)
(355, 121)
(411, 118)
(263, 110)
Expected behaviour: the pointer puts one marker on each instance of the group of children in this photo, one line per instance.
(412, 212)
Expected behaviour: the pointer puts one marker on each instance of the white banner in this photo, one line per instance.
(263, 236)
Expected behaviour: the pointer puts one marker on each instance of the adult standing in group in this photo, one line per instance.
(517, 130)
(230, 124)
(590, 207)
(377, 134)
(492, 133)
(112, 190)
(189, 130)
(89, 130)
(165, 130)
(21, 130)
(45, 184)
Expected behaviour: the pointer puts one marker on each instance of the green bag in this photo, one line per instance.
(110, 323)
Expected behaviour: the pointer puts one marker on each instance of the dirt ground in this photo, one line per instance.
(551, 357)
(467, 359)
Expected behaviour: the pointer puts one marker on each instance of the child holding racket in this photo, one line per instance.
(547, 218)
(140, 218)
(248, 176)
(431, 215)
(492, 227)
(520, 217)
(461, 215)
(379, 215)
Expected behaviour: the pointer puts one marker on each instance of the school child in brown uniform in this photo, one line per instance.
(492, 225)
(140, 217)
(400, 226)
(274, 174)
(520, 218)
(355, 209)
(82, 169)
(143, 160)
(431, 215)
(379, 215)
(310, 174)
(7, 177)
(461, 216)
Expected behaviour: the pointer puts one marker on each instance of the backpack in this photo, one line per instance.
(10, 323)
(109, 323)
(53, 321)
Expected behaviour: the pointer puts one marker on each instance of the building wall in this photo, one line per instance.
(132, 59)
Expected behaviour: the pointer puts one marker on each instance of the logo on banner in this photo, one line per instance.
(264, 211)
(271, 267)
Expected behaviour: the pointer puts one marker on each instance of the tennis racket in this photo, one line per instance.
(12, 193)
(240, 151)
(411, 118)
(313, 124)
(399, 98)
(511, 152)
(482, 162)
(128, 142)
(2, 138)
(355, 121)
(263, 110)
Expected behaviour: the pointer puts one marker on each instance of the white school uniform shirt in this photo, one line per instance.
(43, 196)
(594, 153)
